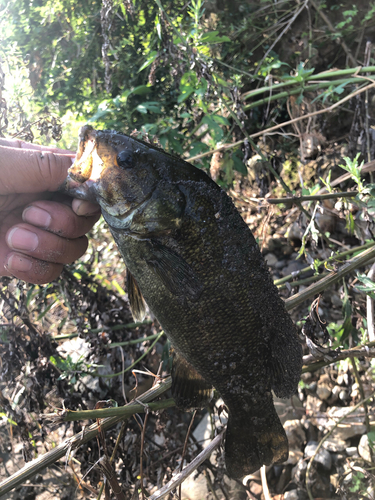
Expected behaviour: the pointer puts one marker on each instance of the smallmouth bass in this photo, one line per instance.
(192, 259)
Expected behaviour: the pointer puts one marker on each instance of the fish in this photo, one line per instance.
(192, 260)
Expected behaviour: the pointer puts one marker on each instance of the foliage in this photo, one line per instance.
(162, 68)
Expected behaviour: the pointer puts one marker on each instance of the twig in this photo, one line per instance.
(106, 467)
(310, 362)
(326, 437)
(133, 341)
(141, 452)
(370, 308)
(304, 281)
(358, 261)
(189, 469)
(52, 456)
(118, 440)
(362, 393)
(312, 87)
(318, 197)
(184, 449)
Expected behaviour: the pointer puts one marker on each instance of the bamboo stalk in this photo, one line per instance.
(52, 456)
(120, 411)
(308, 88)
(311, 78)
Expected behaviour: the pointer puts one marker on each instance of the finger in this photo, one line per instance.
(31, 270)
(83, 207)
(17, 143)
(31, 171)
(60, 219)
(43, 245)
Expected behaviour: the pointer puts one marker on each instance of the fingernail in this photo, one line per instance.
(86, 208)
(37, 217)
(18, 263)
(22, 239)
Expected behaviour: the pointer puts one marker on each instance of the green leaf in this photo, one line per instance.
(185, 93)
(42, 314)
(198, 148)
(151, 106)
(221, 120)
(98, 115)
(141, 90)
(154, 54)
(239, 165)
(213, 37)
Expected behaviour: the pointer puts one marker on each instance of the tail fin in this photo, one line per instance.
(253, 441)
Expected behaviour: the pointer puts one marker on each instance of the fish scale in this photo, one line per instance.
(196, 264)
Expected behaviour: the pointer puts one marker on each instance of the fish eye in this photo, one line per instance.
(125, 159)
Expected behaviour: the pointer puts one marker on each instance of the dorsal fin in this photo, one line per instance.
(189, 389)
(136, 300)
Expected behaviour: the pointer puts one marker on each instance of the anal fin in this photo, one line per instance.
(136, 300)
(189, 389)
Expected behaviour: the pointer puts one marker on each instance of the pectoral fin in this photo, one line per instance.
(174, 272)
(189, 389)
(136, 300)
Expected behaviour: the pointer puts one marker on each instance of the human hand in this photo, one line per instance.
(40, 231)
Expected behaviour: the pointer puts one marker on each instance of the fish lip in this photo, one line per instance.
(81, 190)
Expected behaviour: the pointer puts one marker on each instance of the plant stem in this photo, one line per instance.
(317, 197)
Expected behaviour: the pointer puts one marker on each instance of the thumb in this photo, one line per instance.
(31, 170)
